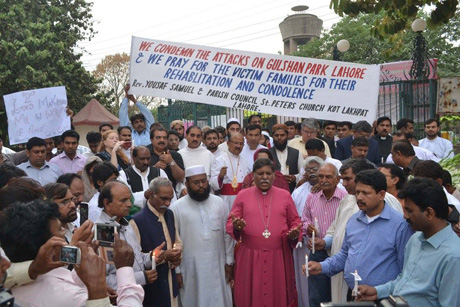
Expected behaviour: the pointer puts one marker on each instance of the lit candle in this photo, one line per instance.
(313, 242)
(306, 265)
(316, 224)
(154, 264)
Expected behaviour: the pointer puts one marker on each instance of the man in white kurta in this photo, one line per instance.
(253, 133)
(229, 169)
(207, 259)
(194, 153)
(441, 147)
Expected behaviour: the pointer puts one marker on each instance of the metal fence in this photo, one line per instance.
(414, 99)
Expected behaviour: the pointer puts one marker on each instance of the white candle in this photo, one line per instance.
(316, 224)
(154, 264)
(306, 265)
(313, 242)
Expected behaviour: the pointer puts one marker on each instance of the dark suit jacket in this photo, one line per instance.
(291, 161)
(343, 150)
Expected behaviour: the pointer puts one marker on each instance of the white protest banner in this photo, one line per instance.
(40, 113)
(273, 84)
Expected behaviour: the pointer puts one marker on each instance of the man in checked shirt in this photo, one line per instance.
(318, 215)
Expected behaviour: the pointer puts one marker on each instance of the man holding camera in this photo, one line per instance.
(33, 231)
(115, 199)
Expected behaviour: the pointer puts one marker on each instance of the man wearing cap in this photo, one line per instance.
(178, 125)
(207, 264)
(288, 160)
(233, 125)
(229, 169)
(140, 122)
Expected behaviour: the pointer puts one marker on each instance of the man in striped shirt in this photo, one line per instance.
(318, 215)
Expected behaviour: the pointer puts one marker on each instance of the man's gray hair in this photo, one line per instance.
(336, 171)
(311, 123)
(363, 126)
(315, 159)
(158, 182)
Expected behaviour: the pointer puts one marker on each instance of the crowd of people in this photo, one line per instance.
(231, 216)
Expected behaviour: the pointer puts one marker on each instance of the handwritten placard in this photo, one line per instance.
(273, 84)
(40, 113)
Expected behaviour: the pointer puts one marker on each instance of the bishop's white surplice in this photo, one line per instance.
(237, 167)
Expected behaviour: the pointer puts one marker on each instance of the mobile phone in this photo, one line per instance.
(105, 234)
(83, 213)
(70, 254)
(127, 144)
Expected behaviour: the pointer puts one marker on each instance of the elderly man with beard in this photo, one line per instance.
(318, 215)
(288, 160)
(264, 218)
(207, 266)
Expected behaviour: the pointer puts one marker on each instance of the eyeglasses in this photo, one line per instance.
(311, 169)
(67, 201)
(197, 182)
(237, 143)
(309, 132)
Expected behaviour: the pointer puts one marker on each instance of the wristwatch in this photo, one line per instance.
(172, 163)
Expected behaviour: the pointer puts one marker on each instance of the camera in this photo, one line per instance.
(105, 234)
(70, 255)
(6, 299)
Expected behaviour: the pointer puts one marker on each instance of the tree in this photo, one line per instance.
(367, 49)
(396, 13)
(38, 40)
(113, 72)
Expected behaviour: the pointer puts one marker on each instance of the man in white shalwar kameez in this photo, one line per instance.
(194, 153)
(207, 263)
(229, 169)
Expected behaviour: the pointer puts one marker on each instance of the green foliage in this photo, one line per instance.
(38, 40)
(396, 13)
(367, 49)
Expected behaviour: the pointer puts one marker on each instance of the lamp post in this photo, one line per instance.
(342, 46)
(421, 64)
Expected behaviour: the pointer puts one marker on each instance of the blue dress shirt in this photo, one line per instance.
(48, 173)
(142, 138)
(375, 249)
(431, 273)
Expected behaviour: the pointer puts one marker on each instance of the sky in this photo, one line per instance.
(238, 24)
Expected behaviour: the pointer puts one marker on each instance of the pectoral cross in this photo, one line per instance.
(266, 233)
